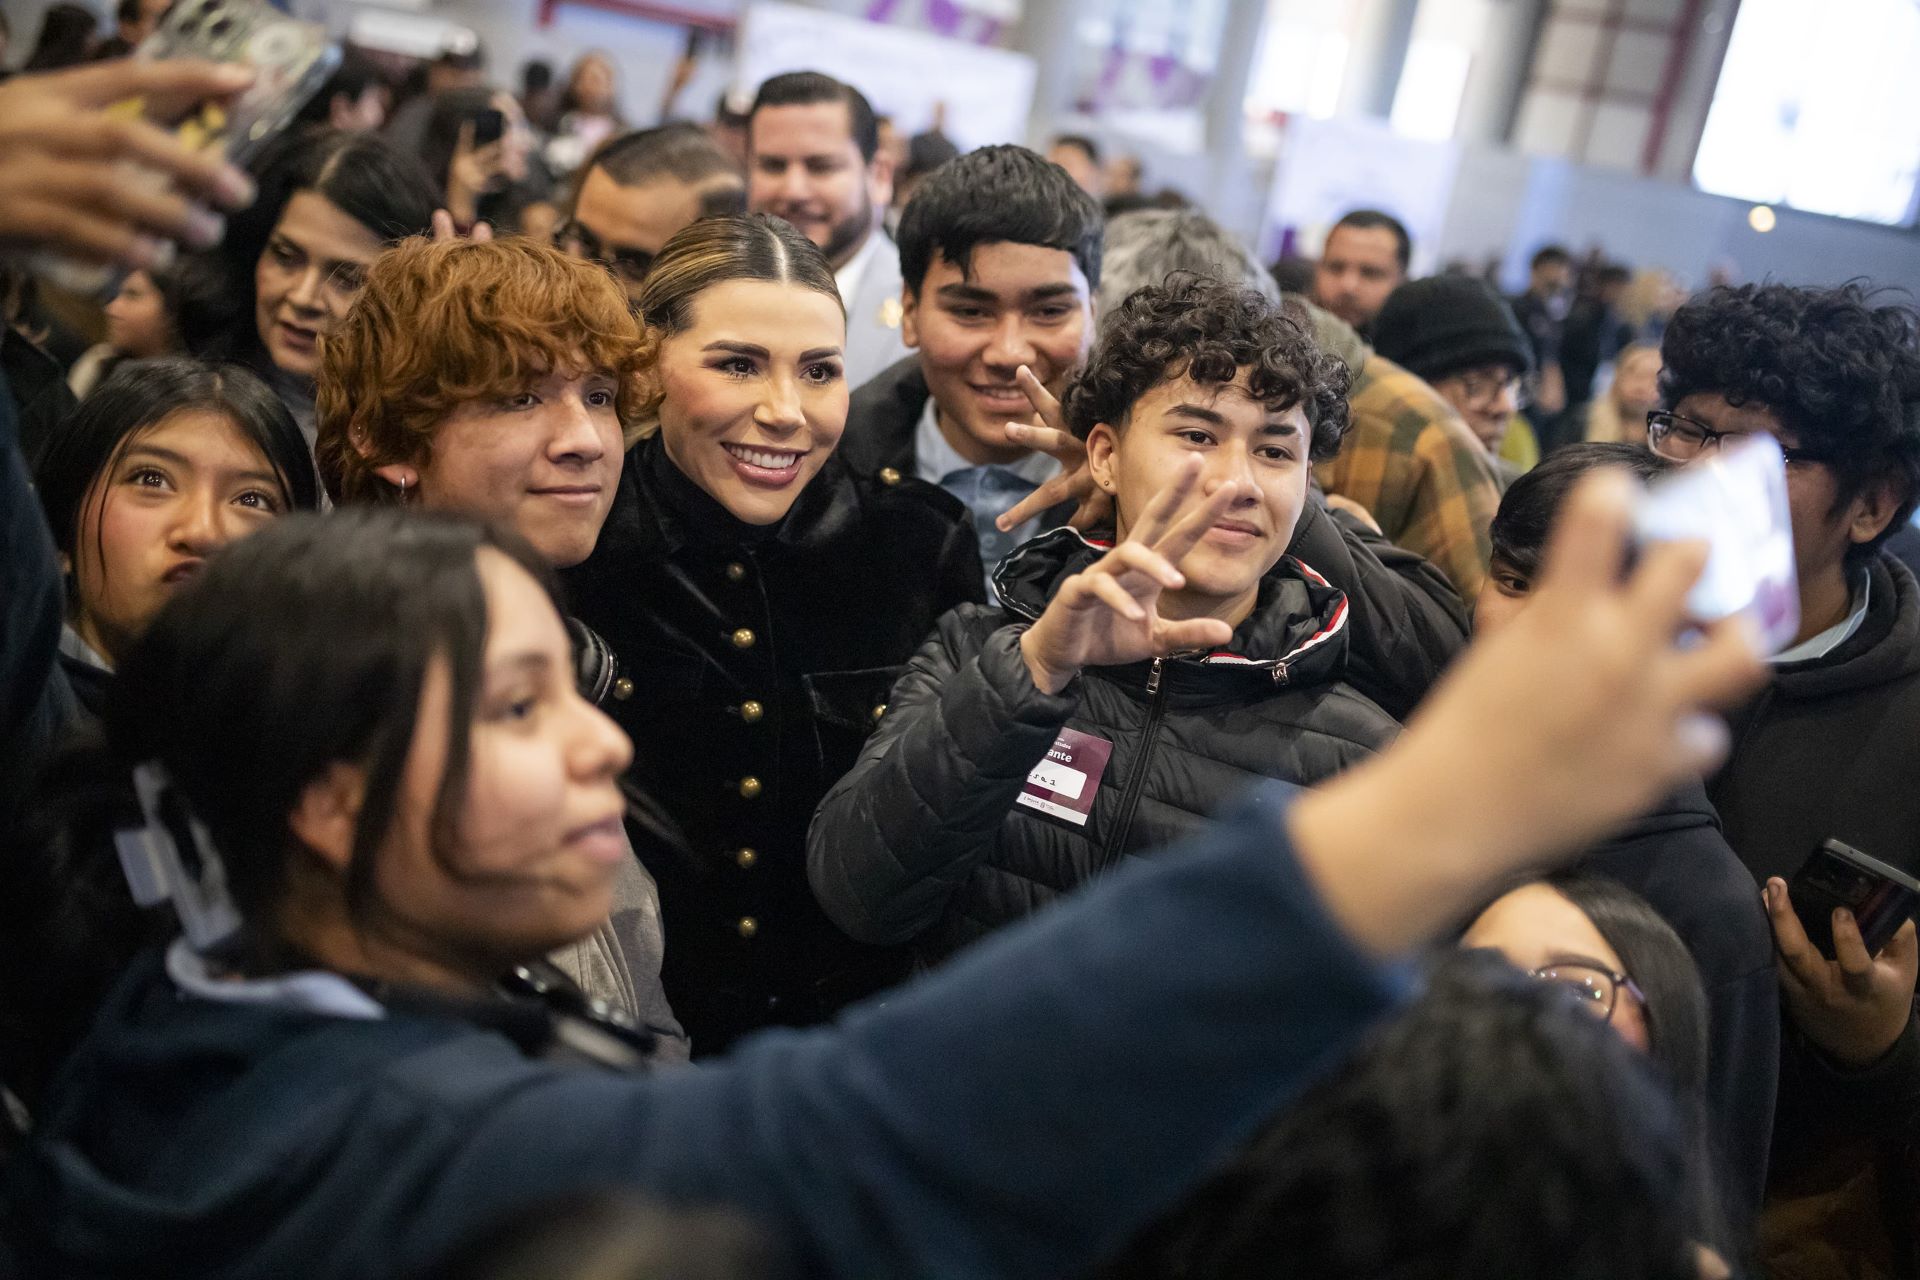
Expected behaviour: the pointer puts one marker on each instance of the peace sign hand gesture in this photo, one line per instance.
(1074, 480)
(1108, 614)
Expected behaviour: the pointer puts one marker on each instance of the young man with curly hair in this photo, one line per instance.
(1827, 750)
(1130, 682)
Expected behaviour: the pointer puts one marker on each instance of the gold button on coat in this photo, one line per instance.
(878, 712)
(622, 689)
(889, 475)
(749, 787)
(751, 712)
(748, 926)
(745, 858)
(743, 639)
(736, 572)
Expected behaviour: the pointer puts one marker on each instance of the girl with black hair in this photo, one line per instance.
(369, 783)
(1624, 964)
(294, 261)
(1610, 948)
(166, 462)
(143, 323)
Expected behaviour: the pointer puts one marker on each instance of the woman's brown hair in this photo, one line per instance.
(443, 324)
(714, 251)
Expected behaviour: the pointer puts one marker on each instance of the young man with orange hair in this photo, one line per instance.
(502, 379)
(499, 379)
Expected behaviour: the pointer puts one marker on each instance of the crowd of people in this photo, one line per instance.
(763, 698)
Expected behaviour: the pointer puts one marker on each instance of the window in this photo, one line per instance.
(1818, 107)
(1302, 62)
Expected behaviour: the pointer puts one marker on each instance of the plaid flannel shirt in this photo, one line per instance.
(1411, 461)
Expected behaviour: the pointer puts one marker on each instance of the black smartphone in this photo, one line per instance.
(489, 127)
(1836, 875)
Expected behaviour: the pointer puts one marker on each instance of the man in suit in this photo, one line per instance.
(814, 158)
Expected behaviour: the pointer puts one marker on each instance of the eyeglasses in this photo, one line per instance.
(1679, 439)
(630, 265)
(1479, 390)
(1598, 989)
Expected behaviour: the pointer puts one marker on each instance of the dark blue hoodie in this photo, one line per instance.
(1017, 1114)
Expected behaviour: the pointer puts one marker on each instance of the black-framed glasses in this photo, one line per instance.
(630, 265)
(1596, 987)
(1681, 439)
(1479, 390)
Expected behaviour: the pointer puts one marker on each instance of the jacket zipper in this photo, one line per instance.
(1130, 801)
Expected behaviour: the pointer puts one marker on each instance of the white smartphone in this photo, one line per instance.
(1734, 500)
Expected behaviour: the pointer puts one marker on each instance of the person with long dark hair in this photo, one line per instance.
(163, 464)
(294, 261)
(1625, 965)
(479, 152)
(368, 783)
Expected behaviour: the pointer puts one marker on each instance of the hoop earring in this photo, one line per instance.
(403, 490)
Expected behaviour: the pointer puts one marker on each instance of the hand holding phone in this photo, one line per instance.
(274, 65)
(1734, 500)
(64, 150)
(1854, 1006)
(1838, 877)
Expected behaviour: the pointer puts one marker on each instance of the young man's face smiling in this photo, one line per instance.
(1239, 440)
(1017, 304)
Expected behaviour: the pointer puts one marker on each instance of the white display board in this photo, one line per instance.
(987, 93)
(1329, 167)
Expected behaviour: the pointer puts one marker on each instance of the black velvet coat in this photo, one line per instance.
(754, 663)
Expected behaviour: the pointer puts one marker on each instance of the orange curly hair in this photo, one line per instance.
(442, 324)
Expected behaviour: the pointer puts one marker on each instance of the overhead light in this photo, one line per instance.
(1761, 218)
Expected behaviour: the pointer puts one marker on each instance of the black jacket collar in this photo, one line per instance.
(882, 418)
(661, 512)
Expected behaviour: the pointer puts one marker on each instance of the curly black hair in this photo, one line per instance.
(1841, 374)
(1209, 331)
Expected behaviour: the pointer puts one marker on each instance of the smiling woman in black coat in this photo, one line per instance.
(762, 600)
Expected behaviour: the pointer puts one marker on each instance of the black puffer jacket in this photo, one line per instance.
(1406, 625)
(752, 663)
(925, 839)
